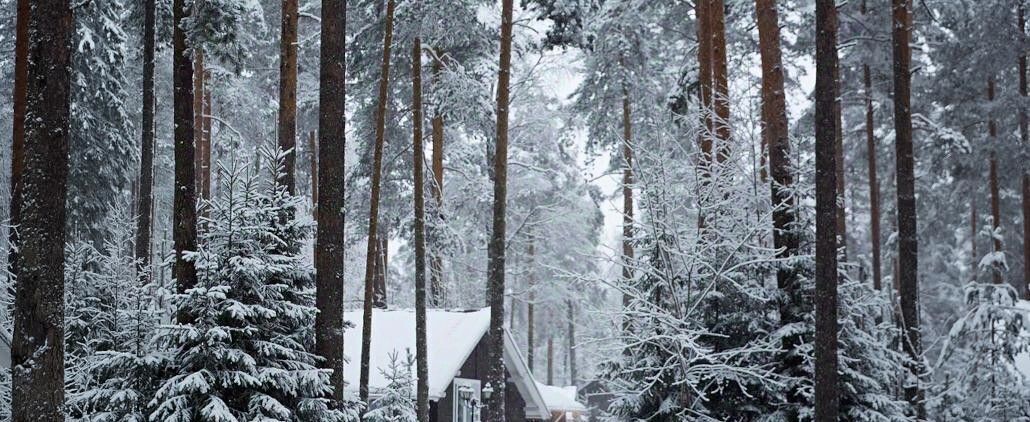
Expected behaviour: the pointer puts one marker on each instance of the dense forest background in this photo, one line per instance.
(674, 224)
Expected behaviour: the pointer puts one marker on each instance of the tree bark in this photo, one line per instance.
(992, 131)
(381, 269)
(826, 384)
(313, 173)
(373, 213)
(571, 317)
(530, 306)
(842, 225)
(184, 218)
(874, 185)
(436, 293)
(495, 371)
(421, 346)
(332, 147)
(21, 78)
(627, 194)
(720, 78)
(198, 115)
(1024, 137)
(704, 60)
(907, 241)
(37, 352)
(146, 168)
(205, 144)
(775, 137)
(550, 360)
(288, 93)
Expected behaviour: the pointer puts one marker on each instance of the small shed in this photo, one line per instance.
(561, 401)
(597, 397)
(457, 356)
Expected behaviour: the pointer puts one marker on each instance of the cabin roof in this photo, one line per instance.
(560, 399)
(452, 336)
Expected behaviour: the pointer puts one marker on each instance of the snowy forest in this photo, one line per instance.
(499, 210)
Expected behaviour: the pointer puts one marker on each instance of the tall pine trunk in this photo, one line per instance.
(421, 346)
(313, 173)
(1024, 137)
(874, 184)
(436, 290)
(495, 370)
(907, 242)
(570, 316)
(827, 389)
(288, 92)
(144, 205)
(184, 217)
(373, 209)
(776, 138)
(842, 226)
(21, 78)
(627, 193)
(37, 349)
(992, 164)
(531, 305)
(720, 78)
(329, 238)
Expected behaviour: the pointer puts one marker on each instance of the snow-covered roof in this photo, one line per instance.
(560, 399)
(452, 336)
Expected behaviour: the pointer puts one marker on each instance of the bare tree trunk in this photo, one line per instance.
(288, 92)
(205, 145)
(37, 349)
(704, 60)
(146, 166)
(21, 78)
(972, 235)
(720, 78)
(421, 346)
(874, 185)
(571, 317)
(381, 269)
(373, 213)
(1024, 137)
(332, 146)
(842, 225)
(495, 370)
(775, 137)
(530, 305)
(907, 241)
(827, 390)
(436, 290)
(550, 360)
(184, 218)
(627, 193)
(313, 173)
(992, 129)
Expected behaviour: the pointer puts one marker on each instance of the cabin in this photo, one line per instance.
(562, 403)
(457, 354)
(597, 398)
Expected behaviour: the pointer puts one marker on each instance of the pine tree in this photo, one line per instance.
(396, 403)
(247, 355)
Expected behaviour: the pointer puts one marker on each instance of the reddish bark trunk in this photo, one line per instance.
(874, 185)
(37, 349)
(288, 92)
(332, 147)
(908, 263)
(145, 201)
(992, 129)
(373, 213)
(495, 371)
(436, 288)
